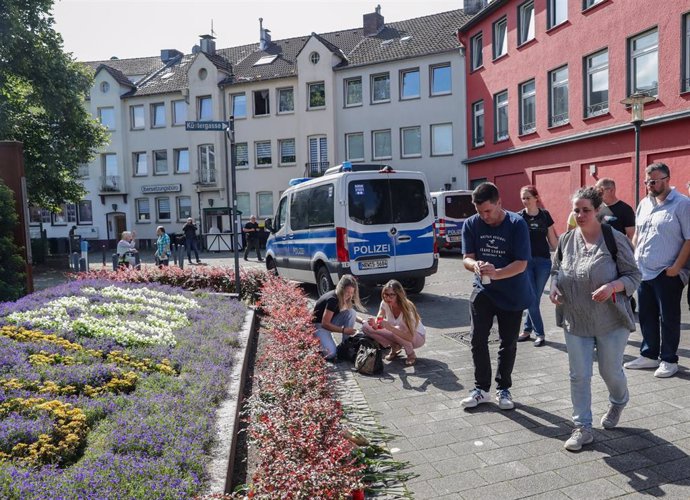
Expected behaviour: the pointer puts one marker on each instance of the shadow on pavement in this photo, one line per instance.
(429, 371)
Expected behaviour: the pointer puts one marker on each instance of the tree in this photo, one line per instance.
(12, 278)
(42, 93)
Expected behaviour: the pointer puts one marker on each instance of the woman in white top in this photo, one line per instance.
(397, 324)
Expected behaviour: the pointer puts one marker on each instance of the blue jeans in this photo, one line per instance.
(538, 271)
(659, 310)
(609, 349)
(192, 246)
(344, 318)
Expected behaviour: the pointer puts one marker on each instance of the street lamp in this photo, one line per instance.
(637, 101)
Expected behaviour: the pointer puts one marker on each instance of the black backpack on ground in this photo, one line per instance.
(347, 349)
(369, 360)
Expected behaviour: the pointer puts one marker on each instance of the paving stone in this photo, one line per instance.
(641, 480)
(533, 484)
(583, 472)
(504, 472)
(503, 491)
(593, 490)
(674, 470)
(458, 464)
(438, 454)
(457, 482)
(502, 455)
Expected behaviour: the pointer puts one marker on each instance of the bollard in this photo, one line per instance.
(103, 252)
(180, 256)
(137, 261)
(116, 261)
(74, 262)
(82, 265)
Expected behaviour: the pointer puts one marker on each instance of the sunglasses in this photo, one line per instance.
(391, 294)
(652, 182)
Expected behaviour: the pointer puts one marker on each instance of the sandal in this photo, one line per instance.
(395, 350)
(411, 360)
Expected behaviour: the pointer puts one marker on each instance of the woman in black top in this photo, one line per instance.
(543, 239)
(335, 312)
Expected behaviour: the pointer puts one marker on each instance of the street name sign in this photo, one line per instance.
(206, 126)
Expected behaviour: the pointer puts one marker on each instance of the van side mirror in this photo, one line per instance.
(268, 225)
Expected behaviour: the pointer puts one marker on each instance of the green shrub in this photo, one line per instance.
(12, 277)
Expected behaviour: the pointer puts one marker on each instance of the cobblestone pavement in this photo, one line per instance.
(486, 452)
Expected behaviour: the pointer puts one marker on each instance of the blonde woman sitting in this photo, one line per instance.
(334, 312)
(397, 324)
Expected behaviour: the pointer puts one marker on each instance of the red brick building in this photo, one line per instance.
(544, 83)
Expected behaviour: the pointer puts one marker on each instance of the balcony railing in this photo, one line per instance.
(528, 127)
(597, 109)
(207, 176)
(559, 119)
(315, 169)
(111, 184)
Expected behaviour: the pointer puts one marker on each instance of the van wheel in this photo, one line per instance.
(324, 283)
(414, 285)
(271, 267)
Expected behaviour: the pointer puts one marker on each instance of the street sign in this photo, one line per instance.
(206, 126)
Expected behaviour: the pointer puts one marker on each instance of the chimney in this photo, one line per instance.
(168, 55)
(264, 37)
(471, 7)
(373, 22)
(207, 44)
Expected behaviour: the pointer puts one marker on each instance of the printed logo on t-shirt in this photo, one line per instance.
(490, 244)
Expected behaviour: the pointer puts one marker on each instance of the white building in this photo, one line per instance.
(380, 93)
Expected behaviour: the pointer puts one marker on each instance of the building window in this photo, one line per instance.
(239, 105)
(261, 103)
(586, 4)
(84, 212)
(478, 124)
(143, 209)
(140, 164)
(241, 154)
(528, 117)
(263, 153)
(441, 80)
(685, 70)
(409, 84)
(381, 140)
(107, 117)
(264, 202)
(476, 47)
(181, 160)
(204, 108)
(160, 162)
(500, 41)
(558, 97)
(317, 95)
(83, 171)
(597, 83)
(411, 139)
(501, 116)
(39, 215)
(644, 63)
(380, 88)
(557, 12)
(179, 112)
(207, 164)
(286, 100)
(442, 139)
(137, 116)
(353, 91)
(243, 204)
(66, 213)
(184, 207)
(163, 209)
(287, 151)
(111, 173)
(354, 146)
(526, 22)
(158, 115)
(314, 57)
(105, 87)
(318, 153)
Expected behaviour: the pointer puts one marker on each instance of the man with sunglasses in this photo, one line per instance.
(662, 248)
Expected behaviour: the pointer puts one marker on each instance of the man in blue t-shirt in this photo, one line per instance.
(496, 249)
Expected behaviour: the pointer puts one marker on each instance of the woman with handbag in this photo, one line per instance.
(397, 324)
(591, 287)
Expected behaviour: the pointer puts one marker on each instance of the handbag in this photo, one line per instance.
(369, 360)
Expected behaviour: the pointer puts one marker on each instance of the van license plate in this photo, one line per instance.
(454, 239)
(373, 264)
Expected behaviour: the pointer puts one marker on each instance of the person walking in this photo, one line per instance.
(591, 288)
(162, 254)
(251, 230)
(662, 248)
(622, 216)
(496, 249)
(190, 240)
(543, 239)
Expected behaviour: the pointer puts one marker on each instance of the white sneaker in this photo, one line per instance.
(504, 399)
(666, 369)
(476, 397)
(579, 437)
(641, 363)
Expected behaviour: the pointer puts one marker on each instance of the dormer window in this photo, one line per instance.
(314, 57)
(265, 60)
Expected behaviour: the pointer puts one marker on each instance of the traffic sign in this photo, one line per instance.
(206, 126)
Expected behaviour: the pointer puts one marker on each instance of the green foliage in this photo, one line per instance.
(42, 92)
(12, 278)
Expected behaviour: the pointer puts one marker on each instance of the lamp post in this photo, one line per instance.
(637, 101)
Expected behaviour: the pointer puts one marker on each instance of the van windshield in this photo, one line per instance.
(459, 206)
(387, 201)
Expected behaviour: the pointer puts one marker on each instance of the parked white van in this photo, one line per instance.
(451, 208)
(366, 220)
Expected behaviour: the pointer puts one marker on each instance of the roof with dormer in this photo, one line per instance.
(410, 38)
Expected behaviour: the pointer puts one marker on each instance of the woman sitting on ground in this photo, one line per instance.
(397, 324)
(334, 312)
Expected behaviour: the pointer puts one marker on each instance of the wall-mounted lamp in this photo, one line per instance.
(210, 202)
(114, 205)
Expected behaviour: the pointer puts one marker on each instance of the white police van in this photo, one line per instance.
(451, 208)
(366, 220)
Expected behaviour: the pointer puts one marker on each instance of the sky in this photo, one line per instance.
(99, 29)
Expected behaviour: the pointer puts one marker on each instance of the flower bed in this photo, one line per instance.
(217, 279)
(295, 419)
(108, 390)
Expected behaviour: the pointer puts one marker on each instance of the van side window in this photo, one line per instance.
(281, 215)
(408, 200)
(299, 210)
(459, 206)
(321, 206)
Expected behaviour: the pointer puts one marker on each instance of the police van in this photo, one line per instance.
(366, 220)
(451, 208)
